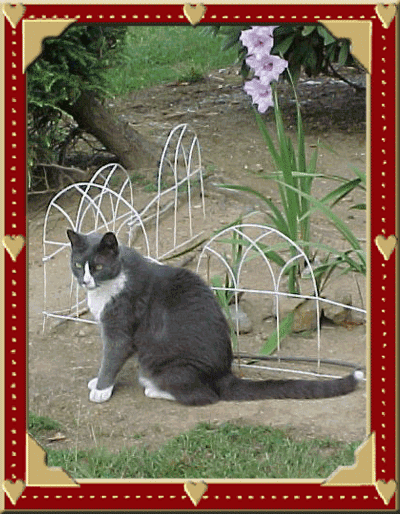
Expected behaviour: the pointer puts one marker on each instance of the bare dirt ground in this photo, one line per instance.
(66, 356)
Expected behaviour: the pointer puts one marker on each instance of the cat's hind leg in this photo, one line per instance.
(186, 386)
(151, 390)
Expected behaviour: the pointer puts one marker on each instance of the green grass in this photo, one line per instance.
(39, 424)
(228, 450)
(157, 55)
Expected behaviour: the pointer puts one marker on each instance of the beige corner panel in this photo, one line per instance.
(33, 33)
(363, 470)
(37, 472)
(359, 32)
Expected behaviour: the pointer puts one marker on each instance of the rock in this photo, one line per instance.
(338, 314)
(305, 313)
(306, 286)
(287, 304)
(245, 324)
(305, 316)
(268, 310)
(358, 318)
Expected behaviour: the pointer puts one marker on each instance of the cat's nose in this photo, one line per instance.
(89, 285)
(88, 280)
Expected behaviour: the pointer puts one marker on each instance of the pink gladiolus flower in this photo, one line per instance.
(268, 68)
(259, 40)
(260, 93)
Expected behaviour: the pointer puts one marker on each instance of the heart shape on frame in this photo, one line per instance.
(195, 491)
(194, 13)
(13, 489)
(386, 489)
(13, 245)
(13, 13)
(385, 13)
(386, 246)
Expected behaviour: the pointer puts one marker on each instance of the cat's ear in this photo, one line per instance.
(109, 242)
(76, 239)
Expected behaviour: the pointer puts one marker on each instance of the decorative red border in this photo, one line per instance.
(221, 495)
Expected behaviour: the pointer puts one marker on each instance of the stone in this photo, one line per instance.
(268, 310)
(306, 287)
(305, 316)
(338, 314)
(358, 318)
(287, 304)
(244, 322)
(305, 313)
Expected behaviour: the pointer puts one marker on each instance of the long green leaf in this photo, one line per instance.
(285, 328)
(360, 267)
(359, 206)
(306, 185)
(339, 224)
(292, 204)
(340, 192)
(301, 175)
(267, 138)
(278, 219)
(283, 46)
(360, 174)
(268, 251)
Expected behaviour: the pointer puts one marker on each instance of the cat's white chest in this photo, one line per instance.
(98, 298)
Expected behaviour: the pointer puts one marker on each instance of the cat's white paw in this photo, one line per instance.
(92, 383)
(153, 392)
(100, 395)
(144, 381)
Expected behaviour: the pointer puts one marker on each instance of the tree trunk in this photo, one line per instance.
(132, 150)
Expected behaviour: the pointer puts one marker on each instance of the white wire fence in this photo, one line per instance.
(244, 255)
(106, 203)
(238, 262)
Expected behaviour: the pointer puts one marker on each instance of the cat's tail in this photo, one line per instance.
(232, 388)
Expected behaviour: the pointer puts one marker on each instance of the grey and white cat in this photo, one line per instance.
(172, 321)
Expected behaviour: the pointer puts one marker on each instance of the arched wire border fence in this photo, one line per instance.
(181, 158)
(257, 245)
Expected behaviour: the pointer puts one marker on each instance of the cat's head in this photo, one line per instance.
(94, 258)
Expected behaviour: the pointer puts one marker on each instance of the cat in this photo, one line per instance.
(172, 321)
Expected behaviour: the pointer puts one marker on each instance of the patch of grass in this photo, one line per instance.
(214, 451)
(139, 179)
(39, 424)
(160, 54)
(150, 186)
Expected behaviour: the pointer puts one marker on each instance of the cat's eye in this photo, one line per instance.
(99, 267)
(78, 265)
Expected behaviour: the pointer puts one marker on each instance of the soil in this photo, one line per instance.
(64, 357)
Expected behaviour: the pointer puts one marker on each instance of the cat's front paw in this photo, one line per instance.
(100, 395)
(92, 384)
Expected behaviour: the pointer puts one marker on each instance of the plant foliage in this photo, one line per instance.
(67, 66)
(306, 47)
